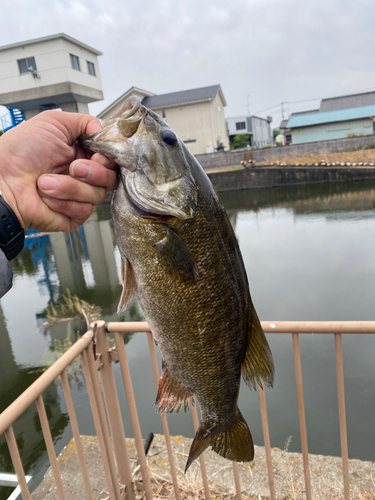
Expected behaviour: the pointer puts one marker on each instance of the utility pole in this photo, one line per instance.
(283, 111)
(248, 104)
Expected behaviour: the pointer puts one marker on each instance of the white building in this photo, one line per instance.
(258, 129)
(337, 118)
(55, 71)
(197, 115)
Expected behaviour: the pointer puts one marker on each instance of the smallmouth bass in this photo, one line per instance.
(181, 257)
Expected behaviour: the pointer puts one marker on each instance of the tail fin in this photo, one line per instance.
(234, 443)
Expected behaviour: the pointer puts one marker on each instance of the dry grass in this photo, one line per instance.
(364, 156)
(164, 491)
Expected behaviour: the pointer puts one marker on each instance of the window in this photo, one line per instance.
(91, 68)
(240, 125)
(26, 65)
(74, 61)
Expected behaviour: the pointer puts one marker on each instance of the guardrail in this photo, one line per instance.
(97, 357)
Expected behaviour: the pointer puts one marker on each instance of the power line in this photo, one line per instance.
(315, 99)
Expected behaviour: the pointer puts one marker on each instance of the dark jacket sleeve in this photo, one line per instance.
(6, 275)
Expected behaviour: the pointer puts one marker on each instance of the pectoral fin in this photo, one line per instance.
(258, 364)
(127, 282)
(175, 254)
(172, 394)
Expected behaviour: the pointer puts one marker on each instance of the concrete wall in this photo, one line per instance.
(282, 176)
(53, 66)
(231, 122)
(337, 130)
(202, 123)
(262, 135)
(273, 154)
(52, 59)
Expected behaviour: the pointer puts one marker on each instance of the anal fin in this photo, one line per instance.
(257, 366)
(127, 282)
(233, 443)
(172, 394)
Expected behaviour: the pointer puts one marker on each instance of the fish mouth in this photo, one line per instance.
(116, 131)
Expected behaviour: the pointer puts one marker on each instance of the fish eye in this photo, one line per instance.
(168, 137)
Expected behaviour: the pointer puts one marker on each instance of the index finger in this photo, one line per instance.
(72, 125)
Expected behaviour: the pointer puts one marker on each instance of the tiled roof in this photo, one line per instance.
(347, 101)
(184, 96)
(331, 116)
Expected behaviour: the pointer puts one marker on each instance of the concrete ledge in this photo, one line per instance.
(326, 473)
(262, 177)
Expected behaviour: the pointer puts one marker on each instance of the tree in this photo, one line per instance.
(240, 141)
(276, 132)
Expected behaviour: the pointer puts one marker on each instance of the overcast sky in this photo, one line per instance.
(271, 50)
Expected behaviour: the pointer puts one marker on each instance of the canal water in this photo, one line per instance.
(309, 252)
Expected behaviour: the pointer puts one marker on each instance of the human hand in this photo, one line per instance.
(35, 158)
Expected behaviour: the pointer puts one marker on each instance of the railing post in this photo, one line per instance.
(201, 456)
(267, 444)
(301, 414)
(76, 435)
(163, 418)
(101, 427)
(125, 372)
(113, 410)
(50, 447)
(17, 463)
(342, 415)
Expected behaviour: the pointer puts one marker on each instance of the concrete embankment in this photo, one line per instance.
(326, 473)
(230, 179)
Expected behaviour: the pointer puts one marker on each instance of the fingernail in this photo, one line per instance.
(82, 170)
(48, 182)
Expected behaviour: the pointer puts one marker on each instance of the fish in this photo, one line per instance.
(180, 256)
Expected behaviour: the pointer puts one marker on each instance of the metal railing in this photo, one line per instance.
(97, 357)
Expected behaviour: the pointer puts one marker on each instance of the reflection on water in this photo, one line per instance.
(309, 254)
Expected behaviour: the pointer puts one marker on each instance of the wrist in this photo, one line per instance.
(12, 235)
(7, 195)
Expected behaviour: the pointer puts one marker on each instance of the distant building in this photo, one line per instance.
(258, 129)
(197, 115)
(55, 71)
(337, 118)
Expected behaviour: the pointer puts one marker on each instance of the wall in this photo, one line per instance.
(53, 65)
(292, 151)
(281, 176)
(261, 132)
(201, 122)
(337, 130)
(232, 130)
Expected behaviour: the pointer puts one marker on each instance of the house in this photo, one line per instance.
(55, 71)
(337, 118)
(197, 115)
(258, 129)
